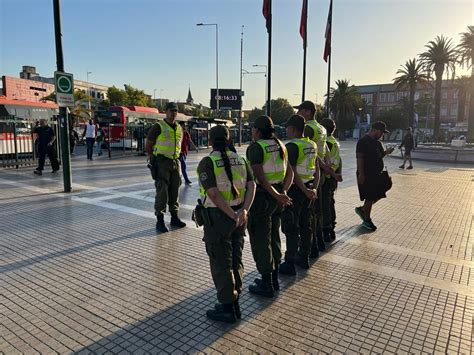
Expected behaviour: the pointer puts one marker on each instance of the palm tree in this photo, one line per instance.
(440, 56)
(344, 100)
(412, 74)
(466, 54)
(463, 85)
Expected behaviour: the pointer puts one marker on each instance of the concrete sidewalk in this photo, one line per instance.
(86, 272)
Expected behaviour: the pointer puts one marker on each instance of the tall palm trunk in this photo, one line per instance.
(439, 80)
(470, 117)
(411, 112)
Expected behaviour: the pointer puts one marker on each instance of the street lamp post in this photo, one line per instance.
(89, 93)
(217, 59)
(266, 74)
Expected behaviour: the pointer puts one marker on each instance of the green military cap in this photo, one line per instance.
(219, 132)
(296, 121)
(263, 123)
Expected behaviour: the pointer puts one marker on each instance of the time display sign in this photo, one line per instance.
(229, 99)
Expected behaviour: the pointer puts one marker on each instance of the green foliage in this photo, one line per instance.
(344, 101)
(129, 97)
(255, 113)
(281, 110)
(394, 118)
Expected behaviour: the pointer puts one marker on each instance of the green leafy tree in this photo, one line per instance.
(462, 84)
(256, 112)
(394, 118)
(344, 101)
(138, 97)
(281, 110)
(412, 75)
(466, 53)
(440, 57)
(117, 97)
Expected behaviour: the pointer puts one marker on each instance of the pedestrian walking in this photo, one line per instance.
(372, 181)
(227, 190)
(90, 132)
(100, 140)
(73, 139)
(296, 219)
(45, 138)
(409, 143)
(163, 146)
(332, 175)
(317, 133)
(186, 144)
(268, 158)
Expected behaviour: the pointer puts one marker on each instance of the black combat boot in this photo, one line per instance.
(287, 268)
(332, 235)
(160, 224)
(320, 240)
(176, 222)
(238, 314)
(224, 313)
(302, 262)
(264, 287)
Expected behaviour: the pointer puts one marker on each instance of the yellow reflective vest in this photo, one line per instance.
(274, 166)
(334, 154)
(306, 163)
(168, 142)
(238, 166)
(319, 137)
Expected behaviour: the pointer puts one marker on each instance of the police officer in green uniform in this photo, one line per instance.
(163, 146)
(269, 161)
(317, 133)
(227, 191)
(296, 219)
(332, 175)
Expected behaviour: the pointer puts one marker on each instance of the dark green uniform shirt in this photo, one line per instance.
(206, 174)
(292, 153)
(255, 153)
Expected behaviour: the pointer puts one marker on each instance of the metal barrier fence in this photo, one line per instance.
(17, 142)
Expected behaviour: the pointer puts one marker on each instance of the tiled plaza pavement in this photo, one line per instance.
(85, 272)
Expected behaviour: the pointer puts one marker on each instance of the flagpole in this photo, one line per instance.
(305, 7)
(269, 65)
(329, 85)
(330, 56)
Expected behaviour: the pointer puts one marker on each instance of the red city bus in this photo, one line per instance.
(125, 121)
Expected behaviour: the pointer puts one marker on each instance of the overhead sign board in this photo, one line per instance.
(64, 84)
(229, 99)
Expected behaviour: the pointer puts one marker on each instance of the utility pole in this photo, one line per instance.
(63, 118)
(241, 103)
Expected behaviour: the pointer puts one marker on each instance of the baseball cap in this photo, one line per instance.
(171, 106)
(381, 126)
(296, 121)
(219, 132)
(306, 105)
(263, 123)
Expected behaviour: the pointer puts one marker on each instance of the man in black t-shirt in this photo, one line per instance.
(370, 153)
(409, 143)
(45, 139)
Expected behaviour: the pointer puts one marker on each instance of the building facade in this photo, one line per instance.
(382, 97)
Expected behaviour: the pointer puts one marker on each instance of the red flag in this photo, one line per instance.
(267, 13)
(327, 46)
(303, 22)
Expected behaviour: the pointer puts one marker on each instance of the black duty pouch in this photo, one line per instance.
(201, 215)
(152, 170)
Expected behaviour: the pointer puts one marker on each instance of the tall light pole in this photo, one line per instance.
(161, 97)
(266, 74)
(89, 93)
(217, 59)
(241, 103)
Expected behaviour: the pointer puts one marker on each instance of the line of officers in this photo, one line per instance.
(289, 186)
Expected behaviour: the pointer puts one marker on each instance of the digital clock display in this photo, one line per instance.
(229, 99)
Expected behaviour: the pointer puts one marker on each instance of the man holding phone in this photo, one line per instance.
(370, 153)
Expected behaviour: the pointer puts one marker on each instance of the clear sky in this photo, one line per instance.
(155, 44)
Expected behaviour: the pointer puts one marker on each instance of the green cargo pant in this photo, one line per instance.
(328, 203)
(167, 182)
(264, 231)
(224, 245)
(296, 223)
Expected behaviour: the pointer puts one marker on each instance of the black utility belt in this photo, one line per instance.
(161, 156)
